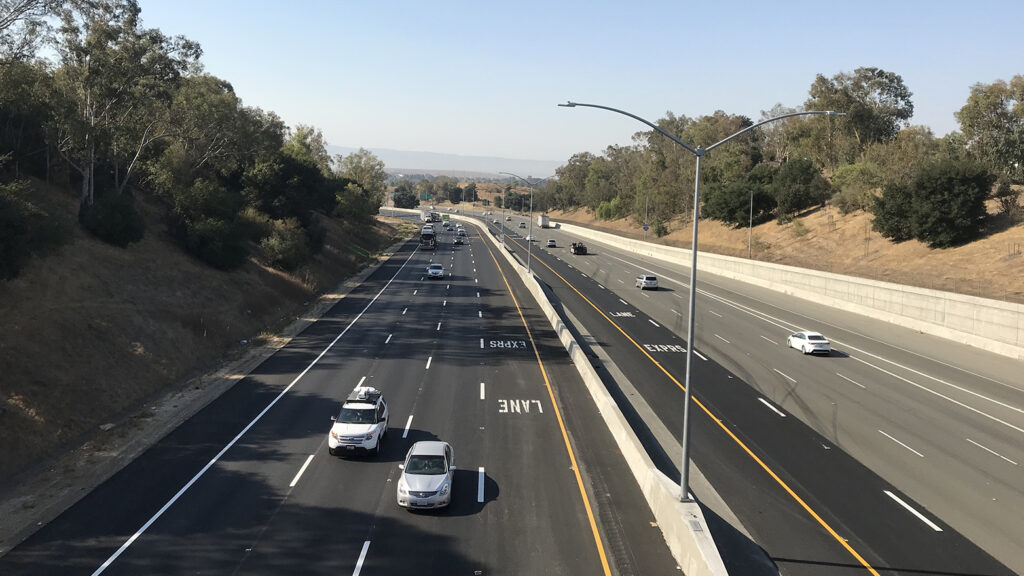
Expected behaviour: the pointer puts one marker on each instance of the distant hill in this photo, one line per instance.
(438, 164)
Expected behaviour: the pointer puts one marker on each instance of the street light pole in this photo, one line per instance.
(529, 243)
(699, 152)
(750, 223)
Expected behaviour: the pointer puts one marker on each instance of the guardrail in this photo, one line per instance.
(988, 324)
(682, 523)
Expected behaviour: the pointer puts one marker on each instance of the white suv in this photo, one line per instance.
(645, 281)
(361, 425)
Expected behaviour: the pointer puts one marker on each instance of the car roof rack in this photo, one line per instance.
(366, 394)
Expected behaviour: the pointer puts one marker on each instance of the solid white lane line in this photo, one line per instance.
(784, 376)
(623, 301)
(429, 359)
(722, 339)
(481, 343)
(438, 325)
(110, 560)
(481, 390)
(408, 423)
(920, 516)
(480, 485)
(989, 450)
(901, 444)
(361, 380)
(941, 395)
(773, 408)
(389, 338)
(715, 313)
(699, 355)
(301, 470)
(404, 311)
(362, 557)
(770, 340)
(653, 322)
(851, 381)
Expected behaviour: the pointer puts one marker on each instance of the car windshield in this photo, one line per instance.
(425, 465)
(357, 416)
(817, 338)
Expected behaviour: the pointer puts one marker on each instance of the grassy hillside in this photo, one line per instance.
(93, 331)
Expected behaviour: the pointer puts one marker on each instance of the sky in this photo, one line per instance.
(484, 79)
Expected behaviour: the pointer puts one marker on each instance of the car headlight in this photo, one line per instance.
(335, 435)
(444, 489)
(370, 435)
(402, 489)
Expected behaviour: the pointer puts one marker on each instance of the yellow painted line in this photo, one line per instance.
(561, 423)
(842, 541)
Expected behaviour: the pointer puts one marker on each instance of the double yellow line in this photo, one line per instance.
(796, 497)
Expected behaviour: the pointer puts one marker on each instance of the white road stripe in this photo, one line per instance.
(617, 280)
(481, 390)
(715, 313)
(623, 301)
(438, 325)
(722, 339)
(773, 408)
(449, 286)
(361, 380)
(784, 376)
(414, 292)
(991, 451)
(920, 516)
(480, 313)
(653, 322)
(408, 423)
(851, 381)
(601, 287)
(362, 557)
(404, 311)
(699, 355)
(429, 359)
(481, 343)
(444, 304)
(477, 294)
(301, 470)
(901, 444)
(677, 312)
(480, 485)
(389, 338)
(770, 340)
(110, 560)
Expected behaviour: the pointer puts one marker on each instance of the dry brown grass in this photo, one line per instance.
(93, 331)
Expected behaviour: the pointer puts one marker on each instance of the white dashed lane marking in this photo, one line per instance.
(920, 516)
(990, 451)
(388, 341)
(784, 375)
(722, 339)
(301, 470)
(362, 558)
(773, 408)
(901, 444)
(408, 423)
(851, 381)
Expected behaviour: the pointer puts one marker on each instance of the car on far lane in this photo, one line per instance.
(531, 238)
(645, 281)
(461, 232)
(427, 474)
(809, 343)
(551, 243)
(458, 240)
(508, 218)
(522, 224)
(435, 271)
(495, 221)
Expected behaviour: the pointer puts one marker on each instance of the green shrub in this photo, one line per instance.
(219, 243)
(660, 229)
(287, 246)
(849, 200)
(799, 229)
(114, 219)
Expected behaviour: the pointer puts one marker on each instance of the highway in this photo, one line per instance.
(900, 453)
(246, 486)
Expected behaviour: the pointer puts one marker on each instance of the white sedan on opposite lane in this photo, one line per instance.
(809, 343)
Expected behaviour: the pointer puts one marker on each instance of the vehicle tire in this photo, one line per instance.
(805, 350)
(332, 451)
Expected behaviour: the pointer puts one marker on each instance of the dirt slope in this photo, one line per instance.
(92, 332)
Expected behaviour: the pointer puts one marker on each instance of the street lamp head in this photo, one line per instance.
(569, 104)
(834, 113)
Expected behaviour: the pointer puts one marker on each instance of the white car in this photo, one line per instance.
(361, 425)
(809, 343)
(531, 239)
(495, 221)
(435, 271)
(427, 474)
(645, 281)
(551, 244)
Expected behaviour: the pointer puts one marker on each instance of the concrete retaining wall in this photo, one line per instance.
(682, 524)
(991, 325)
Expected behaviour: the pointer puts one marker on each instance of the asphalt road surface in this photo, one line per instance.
(246, 486)
(899, 453)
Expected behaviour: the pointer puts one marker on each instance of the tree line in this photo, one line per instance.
(119, 110)
(915, 184)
